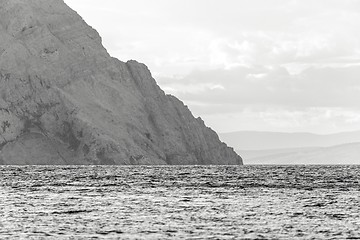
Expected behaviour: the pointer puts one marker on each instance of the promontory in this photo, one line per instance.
(64, 100)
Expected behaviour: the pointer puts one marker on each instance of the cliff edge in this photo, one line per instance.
(64, 100)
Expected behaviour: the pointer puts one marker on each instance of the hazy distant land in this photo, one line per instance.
(295, 148)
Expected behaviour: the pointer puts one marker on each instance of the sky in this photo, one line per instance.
(263, 65)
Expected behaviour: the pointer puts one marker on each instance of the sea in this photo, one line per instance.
(180, 202)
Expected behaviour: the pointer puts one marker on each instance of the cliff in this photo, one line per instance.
(64, 100)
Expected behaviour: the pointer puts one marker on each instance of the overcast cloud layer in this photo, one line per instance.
(275, 65)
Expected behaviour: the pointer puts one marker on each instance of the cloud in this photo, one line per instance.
(252, 62)
(282, 50)
(314, 87)
(272, 98)
(178, 36)
(317, 120)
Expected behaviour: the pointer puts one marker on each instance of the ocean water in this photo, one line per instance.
(180, 202)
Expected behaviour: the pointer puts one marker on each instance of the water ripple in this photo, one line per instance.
(192, 202)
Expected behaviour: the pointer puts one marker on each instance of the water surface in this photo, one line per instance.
(192, 202)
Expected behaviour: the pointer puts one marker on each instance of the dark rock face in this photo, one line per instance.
(64, 100)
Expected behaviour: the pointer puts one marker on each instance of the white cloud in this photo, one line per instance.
(256, 75)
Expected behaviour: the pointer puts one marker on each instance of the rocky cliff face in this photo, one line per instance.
(64, 100)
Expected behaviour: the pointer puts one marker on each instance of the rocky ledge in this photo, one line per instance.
(64, 100)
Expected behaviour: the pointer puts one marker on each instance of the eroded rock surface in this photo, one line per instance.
(64, 100)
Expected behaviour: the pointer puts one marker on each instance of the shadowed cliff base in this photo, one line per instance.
(64, 100)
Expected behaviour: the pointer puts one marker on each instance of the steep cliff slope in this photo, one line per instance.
(64, 100)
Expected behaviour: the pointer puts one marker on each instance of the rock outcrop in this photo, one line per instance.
(64, 100)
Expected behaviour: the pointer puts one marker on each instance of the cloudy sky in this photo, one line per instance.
(266, 65)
